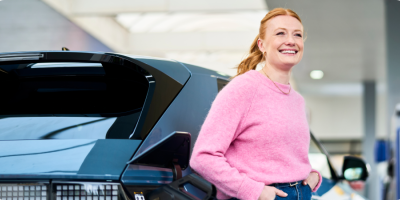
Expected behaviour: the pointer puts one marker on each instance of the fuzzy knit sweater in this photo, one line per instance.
(254, 135)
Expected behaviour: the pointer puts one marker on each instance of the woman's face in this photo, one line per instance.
(283, 42)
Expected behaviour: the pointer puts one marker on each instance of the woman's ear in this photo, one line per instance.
(260, 45)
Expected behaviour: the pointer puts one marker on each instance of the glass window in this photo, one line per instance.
(221, 83)
(69, 101)
(318, 160)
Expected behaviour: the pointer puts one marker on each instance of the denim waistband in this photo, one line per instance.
(286, 184)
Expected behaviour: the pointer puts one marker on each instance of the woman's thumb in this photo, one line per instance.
(280, 193)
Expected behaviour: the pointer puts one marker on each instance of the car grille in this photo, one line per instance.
(24, 191)
(62, 191)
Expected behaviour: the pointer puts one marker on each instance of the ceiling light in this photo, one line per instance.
(316, 74)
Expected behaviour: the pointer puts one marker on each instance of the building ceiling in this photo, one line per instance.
(345, 39)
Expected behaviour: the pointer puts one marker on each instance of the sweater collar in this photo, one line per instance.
(266, 81)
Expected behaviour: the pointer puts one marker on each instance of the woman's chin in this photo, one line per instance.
(286, 66)
(287, 62)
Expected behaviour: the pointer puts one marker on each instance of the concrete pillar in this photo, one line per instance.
(392, 18)
(372, 189)
(392, 15)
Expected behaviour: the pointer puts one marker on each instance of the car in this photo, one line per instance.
(333, 186)
(92, 126)
(108, 126)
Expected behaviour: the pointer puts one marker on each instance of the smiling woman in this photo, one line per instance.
(254, 142)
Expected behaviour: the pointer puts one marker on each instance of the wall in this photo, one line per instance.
(31, 25)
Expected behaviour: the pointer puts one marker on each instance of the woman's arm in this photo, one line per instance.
(314, 179)
(219, 130)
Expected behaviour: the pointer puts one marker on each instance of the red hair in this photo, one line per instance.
(255, 55)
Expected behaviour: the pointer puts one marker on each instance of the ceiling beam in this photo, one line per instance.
(107, 7)
(191, 41)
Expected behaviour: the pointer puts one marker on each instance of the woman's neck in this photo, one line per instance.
(277, 75)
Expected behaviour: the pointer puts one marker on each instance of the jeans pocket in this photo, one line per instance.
(307, 192)
(309, 187)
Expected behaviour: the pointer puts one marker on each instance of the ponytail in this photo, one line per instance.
(251, 62)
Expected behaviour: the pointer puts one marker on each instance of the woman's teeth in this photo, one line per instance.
(288, 51)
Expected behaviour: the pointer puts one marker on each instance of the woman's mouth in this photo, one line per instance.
(288, 52)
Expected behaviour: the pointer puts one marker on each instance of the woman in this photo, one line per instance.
(254, 142)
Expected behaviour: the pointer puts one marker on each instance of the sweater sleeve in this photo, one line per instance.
(220, 128)
(319, 182)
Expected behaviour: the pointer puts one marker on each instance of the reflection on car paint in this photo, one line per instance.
(146, 175)
(33, 156)
(17, 128)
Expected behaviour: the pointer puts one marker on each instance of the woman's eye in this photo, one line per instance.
(280, 33)
(298, 35)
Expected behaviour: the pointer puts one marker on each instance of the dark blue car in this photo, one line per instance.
(103, 126)
(98, 126)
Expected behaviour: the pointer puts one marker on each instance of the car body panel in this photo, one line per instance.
(74, 158)
(172, 68)
(327, 184)
(146, 175)
(187, 112)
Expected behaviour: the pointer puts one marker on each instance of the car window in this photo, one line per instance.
(221, 83)
(69, 101)
(318, 160)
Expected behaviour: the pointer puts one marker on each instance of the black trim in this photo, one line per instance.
(174, 149)
(332, 169)
(165, 91)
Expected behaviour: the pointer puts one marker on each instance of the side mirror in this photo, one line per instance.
(354, 169)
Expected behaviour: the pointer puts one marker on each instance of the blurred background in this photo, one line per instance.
(348, 75)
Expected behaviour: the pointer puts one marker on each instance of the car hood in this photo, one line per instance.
(103, 159)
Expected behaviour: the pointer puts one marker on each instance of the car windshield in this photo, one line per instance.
(318, 160)
(69, 101)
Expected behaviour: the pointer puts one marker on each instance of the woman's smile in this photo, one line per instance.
(289, 52)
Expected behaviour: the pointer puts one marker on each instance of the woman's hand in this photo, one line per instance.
(269, 193)
(312, 180)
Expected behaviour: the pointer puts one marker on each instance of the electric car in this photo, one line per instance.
(98, 126)
(106, 126)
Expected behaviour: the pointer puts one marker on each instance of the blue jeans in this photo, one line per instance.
(295, 191)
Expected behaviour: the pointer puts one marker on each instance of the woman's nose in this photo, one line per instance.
(290, 41)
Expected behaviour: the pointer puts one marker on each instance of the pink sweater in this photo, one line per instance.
(254, 135)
